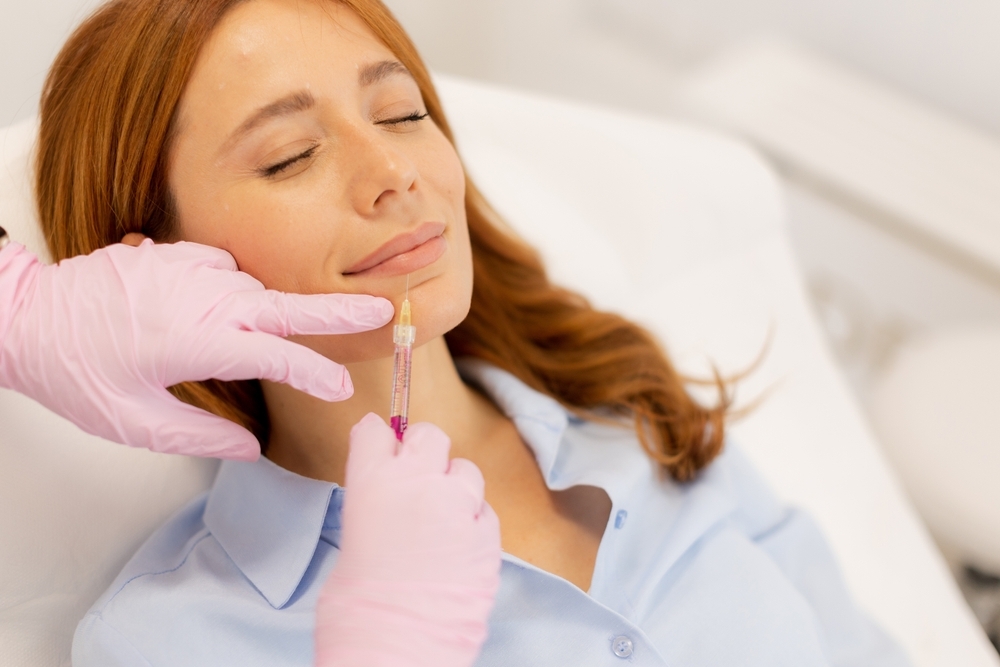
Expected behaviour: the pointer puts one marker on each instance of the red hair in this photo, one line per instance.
(107, 114)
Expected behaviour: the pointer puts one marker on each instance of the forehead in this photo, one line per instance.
(263, 48)
(273, 27)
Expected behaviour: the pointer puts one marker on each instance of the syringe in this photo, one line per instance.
(403, 335)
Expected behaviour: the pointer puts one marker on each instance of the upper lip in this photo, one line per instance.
(403, 243)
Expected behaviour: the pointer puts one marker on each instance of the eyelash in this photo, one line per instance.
(414, 117)
(274, 170)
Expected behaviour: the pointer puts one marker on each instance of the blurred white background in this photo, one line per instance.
(883, 116)
(624, 52)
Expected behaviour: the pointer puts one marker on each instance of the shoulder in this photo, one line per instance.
(166, 550)
(756, 508)
(729, 489)
(725, 601)
(790, 553)
(99, 643)
(101, 637)
(235, 574)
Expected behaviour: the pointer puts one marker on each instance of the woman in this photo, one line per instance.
(305, 139)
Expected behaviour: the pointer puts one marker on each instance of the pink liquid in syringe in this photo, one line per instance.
(400, 390)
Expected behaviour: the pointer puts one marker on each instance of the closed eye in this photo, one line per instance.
(412, 118)
(274, 170)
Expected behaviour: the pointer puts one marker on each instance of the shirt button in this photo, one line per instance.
(622, 646)
(620, 519)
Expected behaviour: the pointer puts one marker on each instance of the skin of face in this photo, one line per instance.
(344, 163)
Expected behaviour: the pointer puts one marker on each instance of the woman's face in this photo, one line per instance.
(303, 149)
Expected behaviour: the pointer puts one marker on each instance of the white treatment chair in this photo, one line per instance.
(674, 226)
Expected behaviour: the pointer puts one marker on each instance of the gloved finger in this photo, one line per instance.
(487, 528)
(372, 444)
(427, 446)
(249, 355)
(489, 542)
(194, 253)
(284, 314)
(471, 477)
(489, 523)
(174, 427)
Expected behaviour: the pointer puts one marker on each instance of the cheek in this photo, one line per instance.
(454, 181)
(277, 240)
(235, 228)
(443, 169)
(263, 237)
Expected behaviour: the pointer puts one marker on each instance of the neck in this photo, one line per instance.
(310, 436)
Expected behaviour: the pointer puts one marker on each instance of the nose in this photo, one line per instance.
(384, 175)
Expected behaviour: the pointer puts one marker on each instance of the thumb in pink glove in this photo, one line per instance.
(99, 338)
(420, 555)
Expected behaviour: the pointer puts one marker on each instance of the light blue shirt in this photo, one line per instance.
(713, 572)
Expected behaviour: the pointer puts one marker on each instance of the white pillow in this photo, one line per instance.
(676, 227)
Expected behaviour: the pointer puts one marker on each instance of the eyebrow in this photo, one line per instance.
(294, 103)
(375, 72)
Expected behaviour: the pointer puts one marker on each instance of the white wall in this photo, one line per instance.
(552, 46)
(943, 51)
(625, 52)
(946, 52)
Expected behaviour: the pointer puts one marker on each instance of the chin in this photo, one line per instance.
(438, 306)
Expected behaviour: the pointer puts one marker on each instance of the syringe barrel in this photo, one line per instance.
(401, 381)
(398, 415)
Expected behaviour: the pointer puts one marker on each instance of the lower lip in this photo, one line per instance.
(423, 255)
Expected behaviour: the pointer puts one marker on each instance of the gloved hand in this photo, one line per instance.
(98, 338)
(420, 556)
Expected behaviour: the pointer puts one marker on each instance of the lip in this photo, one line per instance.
(409, 248)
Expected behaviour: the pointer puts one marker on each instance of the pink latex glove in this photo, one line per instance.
(98, 338)
(420, 555)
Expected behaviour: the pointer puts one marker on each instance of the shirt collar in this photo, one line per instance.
(568, 449)
(269, 520)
